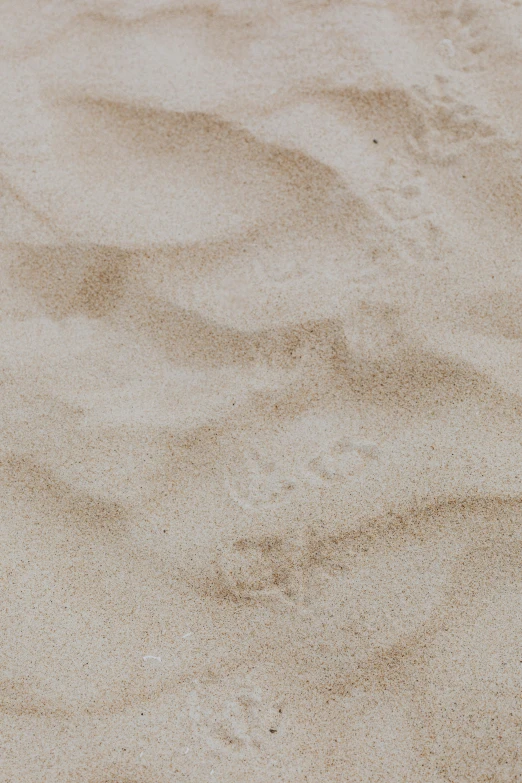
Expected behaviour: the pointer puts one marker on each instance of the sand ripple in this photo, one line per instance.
(261, 383)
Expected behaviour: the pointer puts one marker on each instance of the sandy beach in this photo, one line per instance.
(261, 391)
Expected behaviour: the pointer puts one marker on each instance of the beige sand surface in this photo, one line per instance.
(261, 391)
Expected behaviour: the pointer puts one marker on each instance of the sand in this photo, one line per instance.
(261, 391)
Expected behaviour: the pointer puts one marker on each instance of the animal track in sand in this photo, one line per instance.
(403, 193)
(267, 481)
(469, 28)
(433, 126)
(242, 725)
(256, 569)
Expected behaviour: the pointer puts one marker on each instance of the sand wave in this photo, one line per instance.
(260, 350)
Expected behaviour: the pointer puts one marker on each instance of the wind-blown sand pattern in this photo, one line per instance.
(261, 373)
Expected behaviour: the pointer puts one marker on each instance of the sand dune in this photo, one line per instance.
(261, 370)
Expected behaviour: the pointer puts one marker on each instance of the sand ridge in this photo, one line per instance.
(260, 298)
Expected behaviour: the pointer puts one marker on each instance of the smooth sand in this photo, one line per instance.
(261, 391)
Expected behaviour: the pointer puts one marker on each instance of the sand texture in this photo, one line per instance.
(261, 391)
